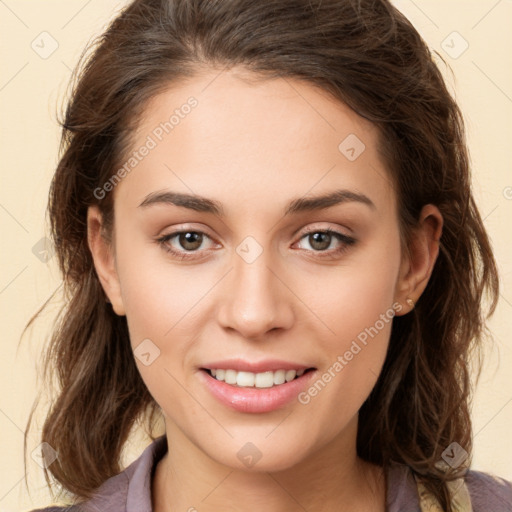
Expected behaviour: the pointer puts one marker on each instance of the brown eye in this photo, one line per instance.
(190, 240)
(320, 240)
(186, 244)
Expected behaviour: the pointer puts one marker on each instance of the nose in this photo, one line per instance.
(255, 299)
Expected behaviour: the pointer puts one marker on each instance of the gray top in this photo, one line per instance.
(130, 490)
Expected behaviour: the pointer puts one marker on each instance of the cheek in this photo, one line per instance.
(159, 302)
(155, 293)
(356, 303)
(352, 296)
(167, 307)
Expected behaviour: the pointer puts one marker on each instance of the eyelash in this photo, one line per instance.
(189, 255)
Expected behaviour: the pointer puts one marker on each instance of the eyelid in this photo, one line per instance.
(181, 230)
(184, 228)
(315, 229)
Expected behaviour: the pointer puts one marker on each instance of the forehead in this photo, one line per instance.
(225, 134)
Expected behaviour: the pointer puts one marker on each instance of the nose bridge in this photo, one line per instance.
(255, 301)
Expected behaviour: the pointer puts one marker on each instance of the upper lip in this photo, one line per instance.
(241, 365)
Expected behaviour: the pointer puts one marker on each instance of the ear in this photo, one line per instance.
(419, 258)
(103, 255)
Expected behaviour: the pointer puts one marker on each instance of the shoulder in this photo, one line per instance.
(489, 493)
(129, 490)
(110, 496)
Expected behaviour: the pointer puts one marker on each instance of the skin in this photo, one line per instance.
(254, 147)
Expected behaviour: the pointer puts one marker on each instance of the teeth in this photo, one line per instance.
(230, 377)
(245, 379)
(290, 375)
(258, 380)
(279, 377)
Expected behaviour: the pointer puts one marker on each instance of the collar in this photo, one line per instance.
(130, 490)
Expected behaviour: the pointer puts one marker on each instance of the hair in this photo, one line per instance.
(363, 53)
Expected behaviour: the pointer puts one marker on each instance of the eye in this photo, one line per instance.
(321, 241)
(186, 243)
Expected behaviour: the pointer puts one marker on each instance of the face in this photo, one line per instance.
(259, 270)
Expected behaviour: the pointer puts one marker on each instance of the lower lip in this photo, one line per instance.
(256, 400)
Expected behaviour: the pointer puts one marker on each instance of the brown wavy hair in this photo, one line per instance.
(364, 53)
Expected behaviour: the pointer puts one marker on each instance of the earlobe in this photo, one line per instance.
(423, 250)
(104, 260)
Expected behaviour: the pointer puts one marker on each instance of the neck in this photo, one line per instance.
(188, 479)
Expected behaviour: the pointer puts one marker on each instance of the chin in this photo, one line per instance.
(259, 457)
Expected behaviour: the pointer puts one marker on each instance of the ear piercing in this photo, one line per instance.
(410, 302)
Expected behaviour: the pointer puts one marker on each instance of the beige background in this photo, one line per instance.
(31, 90)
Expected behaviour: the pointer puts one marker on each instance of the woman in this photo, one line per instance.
(264, 220)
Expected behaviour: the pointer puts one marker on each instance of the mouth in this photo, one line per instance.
(260, 380)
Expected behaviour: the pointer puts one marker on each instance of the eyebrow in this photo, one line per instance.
(301, 204)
